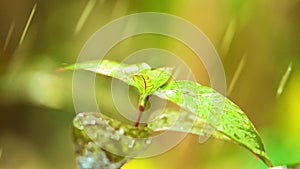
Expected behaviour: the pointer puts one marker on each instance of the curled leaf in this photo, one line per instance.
(148, 81)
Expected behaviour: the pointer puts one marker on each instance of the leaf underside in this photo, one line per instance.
(104, 143)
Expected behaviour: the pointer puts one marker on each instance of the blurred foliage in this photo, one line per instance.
(36, 101)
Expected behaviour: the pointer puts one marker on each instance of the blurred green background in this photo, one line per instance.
(256, 40)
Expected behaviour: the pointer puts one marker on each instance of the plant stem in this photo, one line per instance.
(142, 103)
(139, 115)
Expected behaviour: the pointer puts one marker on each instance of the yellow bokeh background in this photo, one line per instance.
(36, 107)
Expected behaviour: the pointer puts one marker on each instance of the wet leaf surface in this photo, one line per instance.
(104, 143)
(217, 111)
(214, 114)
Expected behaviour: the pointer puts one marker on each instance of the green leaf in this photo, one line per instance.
(217, 111)
(104, 143)
(124, 72)
(148, 81)
(138, 75)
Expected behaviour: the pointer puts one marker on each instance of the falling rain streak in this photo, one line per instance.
(284, 79)
(237, 74)
(10, 31)
(228, 36)
(86, 12)
(27, 24)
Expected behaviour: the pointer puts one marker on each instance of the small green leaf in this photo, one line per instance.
(149, 81)
(216, 110)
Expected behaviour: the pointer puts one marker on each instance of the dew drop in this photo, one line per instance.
(131, 144)
(121, 131)
(93, 122)
(115, 137)
(148, 141)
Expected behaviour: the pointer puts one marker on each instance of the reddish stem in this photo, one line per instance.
(139, 115)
